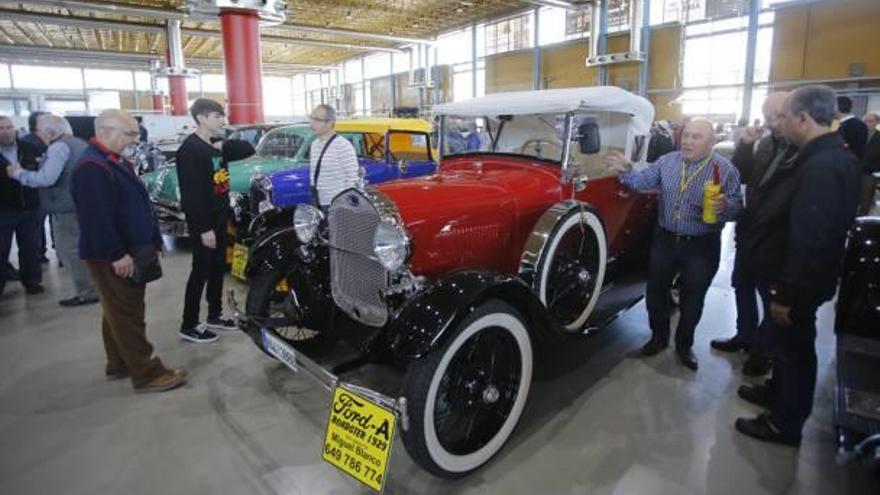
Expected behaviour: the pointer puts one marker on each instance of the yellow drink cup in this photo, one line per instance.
(710, 191)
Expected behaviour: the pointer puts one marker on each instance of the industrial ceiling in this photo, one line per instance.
(316, 33)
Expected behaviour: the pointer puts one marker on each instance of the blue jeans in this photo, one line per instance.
(696, 261)
(25, 225)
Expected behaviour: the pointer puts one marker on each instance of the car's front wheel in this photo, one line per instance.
(271, 296)
(465, 398)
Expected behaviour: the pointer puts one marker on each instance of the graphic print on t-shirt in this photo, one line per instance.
(221, 176)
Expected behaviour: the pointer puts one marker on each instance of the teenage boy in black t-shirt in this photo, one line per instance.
(204, 196)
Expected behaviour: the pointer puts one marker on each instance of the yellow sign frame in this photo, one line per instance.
(359, 438)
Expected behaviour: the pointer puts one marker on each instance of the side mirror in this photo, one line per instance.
(402, 166)
(589, 140)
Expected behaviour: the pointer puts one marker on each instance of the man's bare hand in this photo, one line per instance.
(780, 314)
(750, 134)
(14, 170)
(124, 267)
(719, 204)
(617, 163)
(209, 240)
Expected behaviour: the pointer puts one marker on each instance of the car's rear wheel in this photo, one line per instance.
(465, 398)
(571, 268)
(272, 296)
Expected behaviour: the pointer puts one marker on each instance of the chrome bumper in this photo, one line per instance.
(315, 371)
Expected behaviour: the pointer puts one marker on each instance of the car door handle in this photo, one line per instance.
(623, 194)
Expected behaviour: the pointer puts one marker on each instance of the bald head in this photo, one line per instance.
(697, 139)
(773, 108)
(872, 120)
(116, 129)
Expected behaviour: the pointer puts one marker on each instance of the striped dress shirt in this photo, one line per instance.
(339, 169)
(681, 212)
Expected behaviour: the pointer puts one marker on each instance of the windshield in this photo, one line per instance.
(280, 143)
(537, 136)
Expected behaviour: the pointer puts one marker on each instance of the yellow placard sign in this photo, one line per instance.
(239, 260)
(359, 438)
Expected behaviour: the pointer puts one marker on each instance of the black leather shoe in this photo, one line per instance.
(756, 366)
(755, 394)
(762, 429)
(687, 358)
(77, 301)
(653, 347)
(732, 344)
(34, 289)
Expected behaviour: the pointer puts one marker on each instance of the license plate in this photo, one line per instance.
(359, 437)
(277, 347)
(239, 260)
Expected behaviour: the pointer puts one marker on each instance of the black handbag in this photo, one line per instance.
(146, 264)
(313, 188)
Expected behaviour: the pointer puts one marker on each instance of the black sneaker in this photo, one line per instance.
(220, 324)
(198, 335)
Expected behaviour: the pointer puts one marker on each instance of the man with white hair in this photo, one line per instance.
(683, 243)
(116, 219)
(52, 181)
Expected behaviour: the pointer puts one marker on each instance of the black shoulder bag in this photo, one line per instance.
(314, 185)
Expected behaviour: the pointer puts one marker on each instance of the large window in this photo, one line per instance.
(454, 47)
(4, 76)
(109, 79)
(211, 83)
(378, 65)
(277, 96)
(508, 34)
(39, 77)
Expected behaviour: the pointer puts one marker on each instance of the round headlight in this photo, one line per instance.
(234, 199)
(390, 245)
(306, 221)
(265, 183)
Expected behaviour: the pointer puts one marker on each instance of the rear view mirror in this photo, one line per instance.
(588, 138)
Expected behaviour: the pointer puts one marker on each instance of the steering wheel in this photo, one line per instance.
(541, 148)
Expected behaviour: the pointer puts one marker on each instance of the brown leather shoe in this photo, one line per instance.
(166, 381)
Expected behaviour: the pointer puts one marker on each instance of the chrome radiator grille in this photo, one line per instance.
(357, 279)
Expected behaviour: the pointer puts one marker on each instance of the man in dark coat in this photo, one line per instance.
(757, 164)
(19, 209)
(115, 219)
(853, 130)
(794, 247)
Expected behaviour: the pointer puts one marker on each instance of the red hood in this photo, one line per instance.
(473, 216)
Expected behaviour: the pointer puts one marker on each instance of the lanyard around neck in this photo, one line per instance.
(684, 182)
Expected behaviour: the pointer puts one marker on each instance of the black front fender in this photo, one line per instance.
(273, 250)
(430, 316)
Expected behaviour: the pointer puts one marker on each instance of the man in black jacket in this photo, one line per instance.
(870, 162)
(757, 164)
(204, 197)
(853, 130)
(794, 245)
(19, 209)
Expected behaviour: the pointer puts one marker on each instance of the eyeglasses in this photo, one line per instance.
(316, 119)
(128, 134)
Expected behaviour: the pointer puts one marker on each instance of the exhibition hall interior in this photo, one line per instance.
(326, 247)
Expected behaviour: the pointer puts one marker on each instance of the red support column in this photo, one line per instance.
(242, 59)
(159, 102)
(179, 99)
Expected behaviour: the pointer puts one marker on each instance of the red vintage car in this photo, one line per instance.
(457, 280)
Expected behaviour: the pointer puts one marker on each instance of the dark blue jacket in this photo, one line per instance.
(112, 205)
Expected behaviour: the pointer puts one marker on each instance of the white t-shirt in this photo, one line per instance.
(339, 169)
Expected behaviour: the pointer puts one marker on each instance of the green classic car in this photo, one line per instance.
(278, 149)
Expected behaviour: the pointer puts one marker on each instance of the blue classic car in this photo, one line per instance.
(387, 149)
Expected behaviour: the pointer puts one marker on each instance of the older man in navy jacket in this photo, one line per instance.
(115, 216)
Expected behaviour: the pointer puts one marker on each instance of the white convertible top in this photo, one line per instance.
(598, 98)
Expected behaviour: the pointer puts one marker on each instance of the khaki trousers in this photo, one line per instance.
(123, 326)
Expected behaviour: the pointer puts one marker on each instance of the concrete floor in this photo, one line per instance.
(608, 422)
